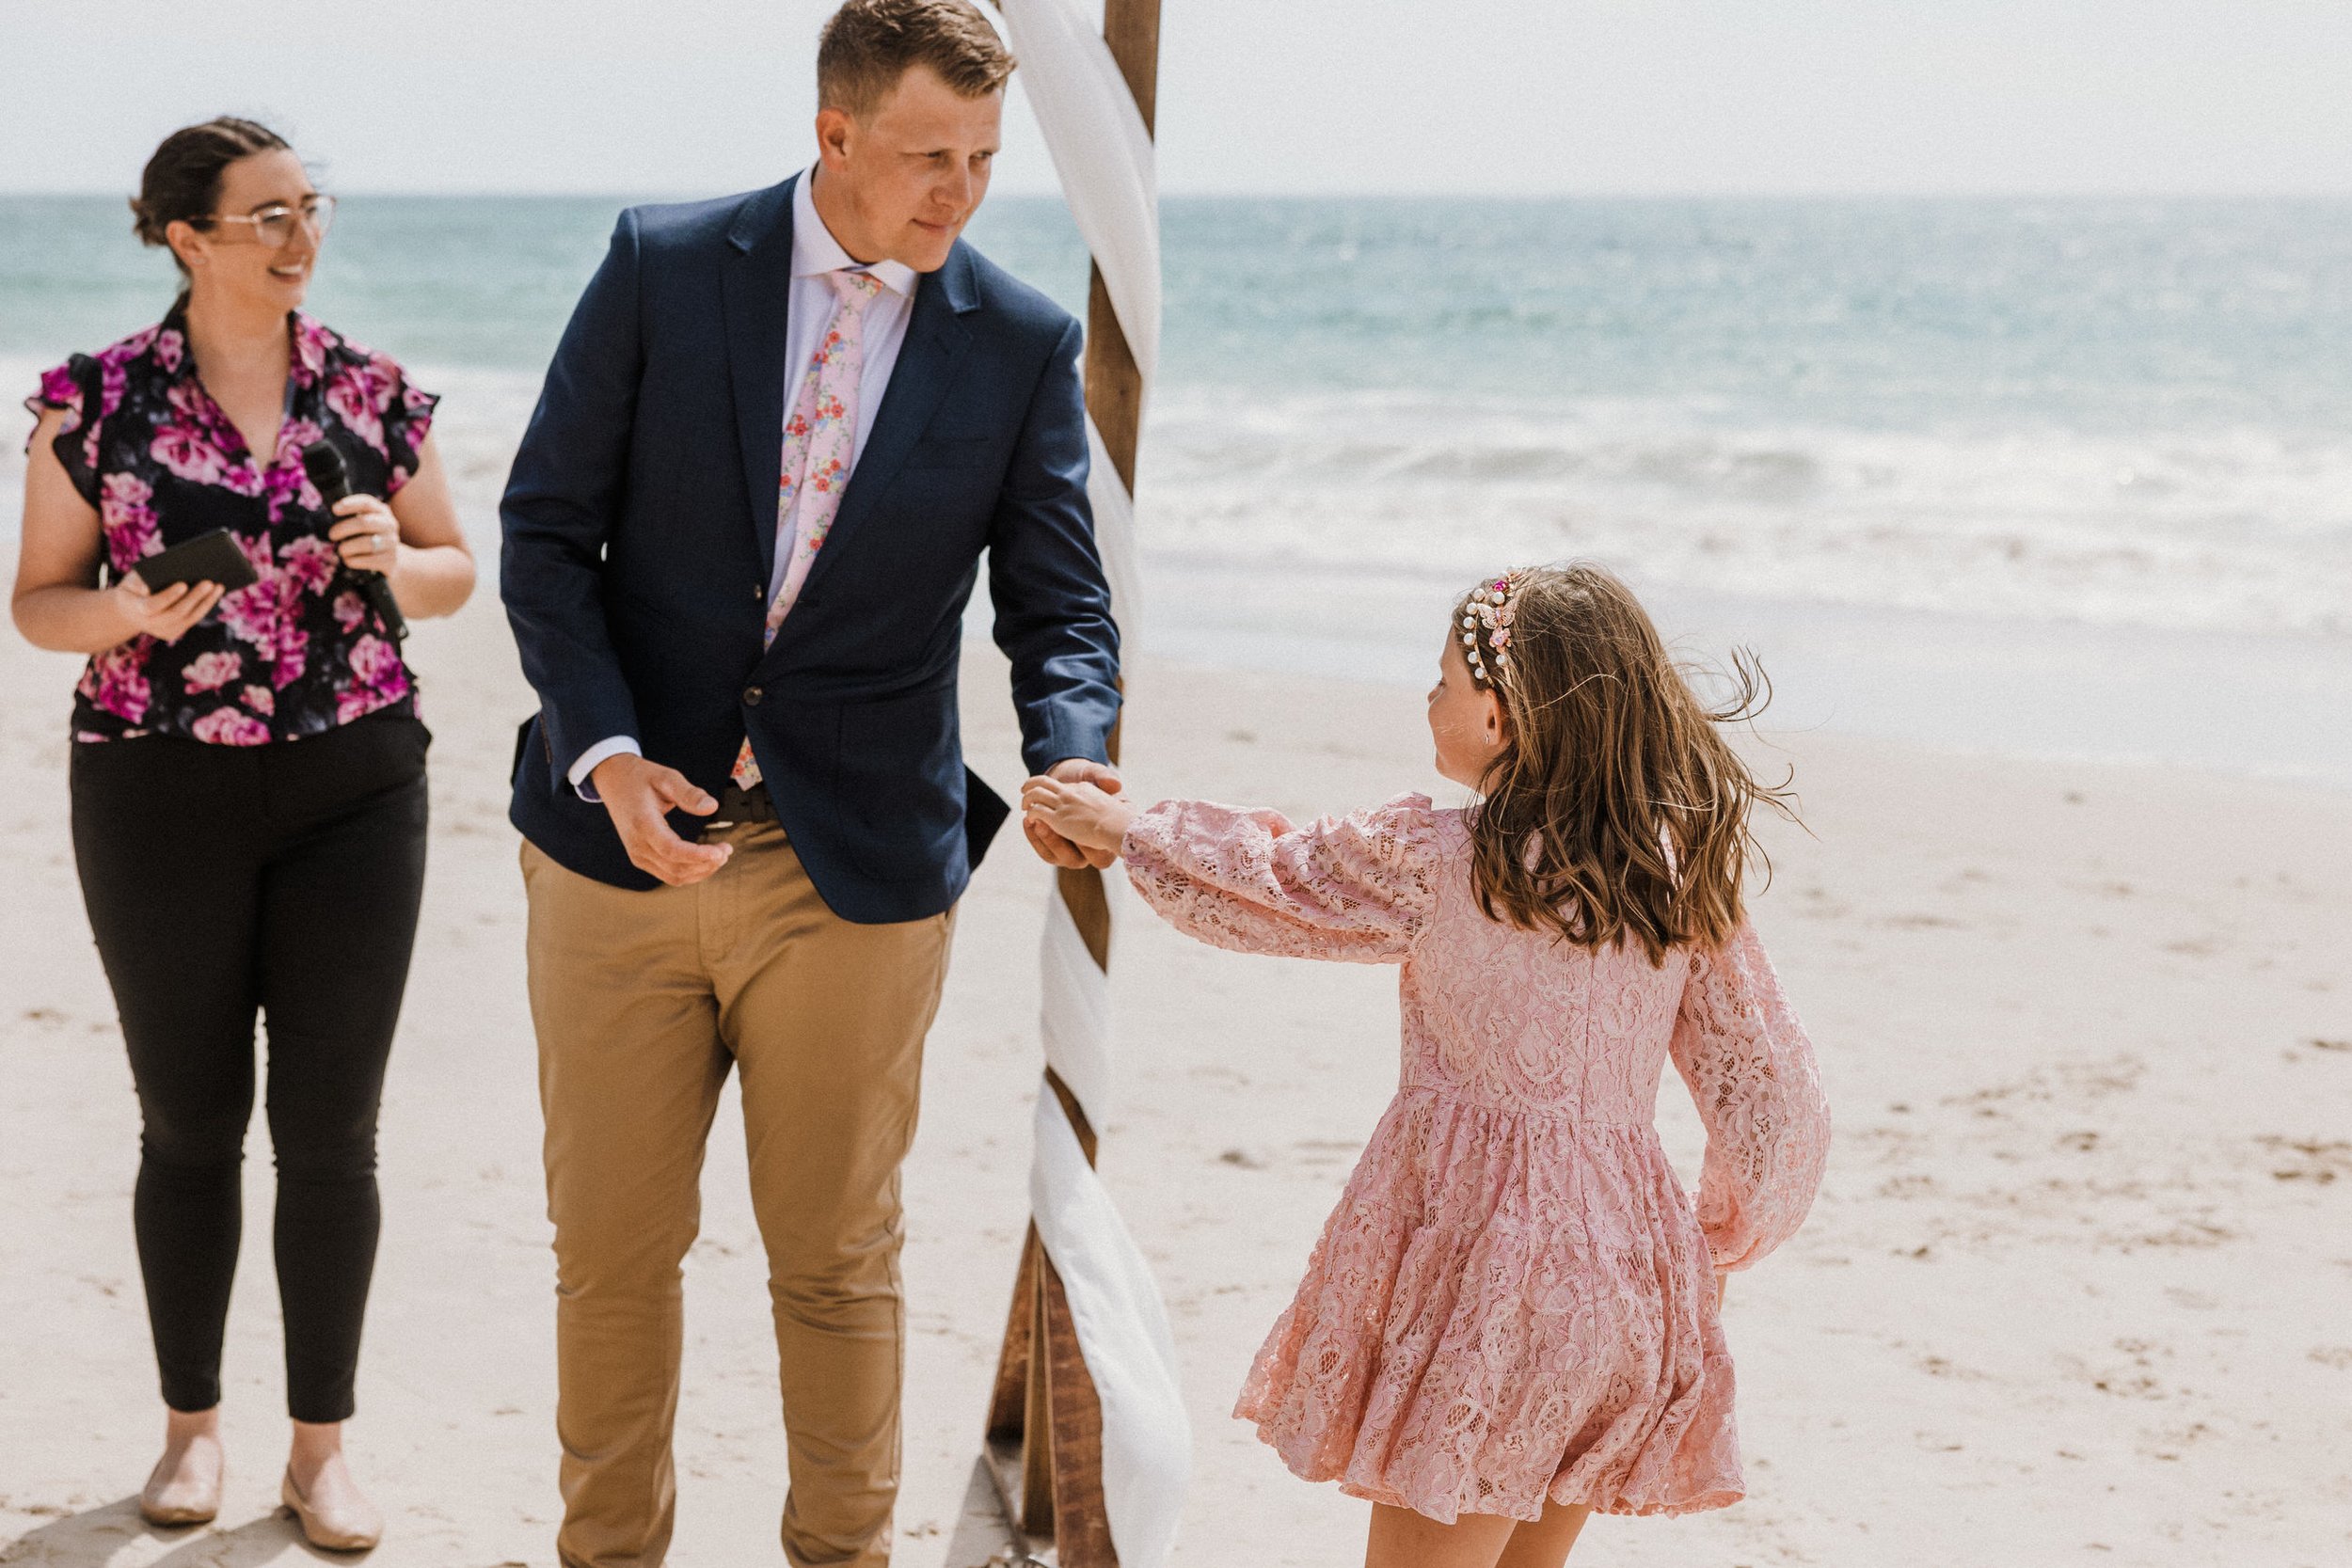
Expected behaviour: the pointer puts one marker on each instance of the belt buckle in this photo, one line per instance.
(737, 808)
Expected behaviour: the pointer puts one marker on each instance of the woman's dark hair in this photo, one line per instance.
(181, 181)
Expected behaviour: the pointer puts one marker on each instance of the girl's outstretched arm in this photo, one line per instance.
(1750, 1071)
(1357, 888)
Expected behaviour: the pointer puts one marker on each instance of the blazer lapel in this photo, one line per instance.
(935, 343)
(756, 290)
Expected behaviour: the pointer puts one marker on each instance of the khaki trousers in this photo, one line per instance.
(643, 1003)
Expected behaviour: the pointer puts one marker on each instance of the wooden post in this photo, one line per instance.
(1045, 1420)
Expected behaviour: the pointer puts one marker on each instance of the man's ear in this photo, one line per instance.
(834, 128)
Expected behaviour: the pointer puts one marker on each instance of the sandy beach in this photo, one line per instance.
(2075, 1292)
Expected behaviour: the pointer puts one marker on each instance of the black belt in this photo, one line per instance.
(737, 805)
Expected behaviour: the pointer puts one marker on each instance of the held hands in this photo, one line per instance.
(368, 536)
(1071, 807)
(638, 794)
(1080, 824)
(165, 616)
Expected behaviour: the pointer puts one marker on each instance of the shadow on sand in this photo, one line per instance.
(99, 1537)
(980, 1539)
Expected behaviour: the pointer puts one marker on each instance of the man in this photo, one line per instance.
(778, 434)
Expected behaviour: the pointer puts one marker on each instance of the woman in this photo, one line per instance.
(248, 775)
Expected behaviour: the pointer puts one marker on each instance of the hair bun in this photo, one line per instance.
(182, 181)
(143, 223)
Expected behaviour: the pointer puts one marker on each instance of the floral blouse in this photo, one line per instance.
(297, 652)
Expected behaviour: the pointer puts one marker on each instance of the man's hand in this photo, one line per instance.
(1055, 847)
(638, 794)
(1079, 814)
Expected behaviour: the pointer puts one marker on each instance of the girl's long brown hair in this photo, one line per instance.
(1615, 811)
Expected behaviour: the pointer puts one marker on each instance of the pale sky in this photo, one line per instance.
(1496, 96)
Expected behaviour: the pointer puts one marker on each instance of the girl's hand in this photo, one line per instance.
(1080, 813)
(165, 616)
(1720, 1280)
(368, 537)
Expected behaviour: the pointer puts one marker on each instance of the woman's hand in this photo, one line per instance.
(165, 616)
(59, 603)
(1080, 813)
(368, 537)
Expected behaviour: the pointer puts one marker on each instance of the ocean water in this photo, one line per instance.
(2052, 420)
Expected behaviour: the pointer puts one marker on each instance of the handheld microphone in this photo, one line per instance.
(331, 476)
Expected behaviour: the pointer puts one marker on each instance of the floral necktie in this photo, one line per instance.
(820, 444)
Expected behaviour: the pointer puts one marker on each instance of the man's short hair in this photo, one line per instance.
(869, 45)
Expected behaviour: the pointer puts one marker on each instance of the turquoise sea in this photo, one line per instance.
(2055, 421)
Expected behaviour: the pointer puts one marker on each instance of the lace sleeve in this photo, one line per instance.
(1750, 1072)
(1357, 888)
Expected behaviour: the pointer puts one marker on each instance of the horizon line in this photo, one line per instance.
(1372, 194)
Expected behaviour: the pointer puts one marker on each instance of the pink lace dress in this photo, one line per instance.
(1515, 1299)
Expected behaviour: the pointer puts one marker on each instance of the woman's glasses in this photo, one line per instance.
(274, 224)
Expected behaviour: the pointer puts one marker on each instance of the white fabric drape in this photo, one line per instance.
(1115, 536)
(1123, 1335)
(1104, 155)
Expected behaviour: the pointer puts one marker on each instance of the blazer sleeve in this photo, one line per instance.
(562, 503)
(1046, 579)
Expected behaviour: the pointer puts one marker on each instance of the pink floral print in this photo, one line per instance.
(115, 684)
(252, 614)
(297, 652)
(189, 452)
(1513, 1302)
(351, 393)
(227, 726)
(310, 564)
(213, 671)
(59, 391)
(294, 657)
(127, 519)
(820, 440)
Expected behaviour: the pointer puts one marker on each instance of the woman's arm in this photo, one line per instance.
(431, 569)
(58, 604)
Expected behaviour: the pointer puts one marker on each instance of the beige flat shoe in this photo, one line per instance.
(174, 1501)
(353, 1528)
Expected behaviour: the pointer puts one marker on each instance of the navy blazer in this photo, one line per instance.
(640, 527)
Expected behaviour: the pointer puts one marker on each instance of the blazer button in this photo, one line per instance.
(751, 694)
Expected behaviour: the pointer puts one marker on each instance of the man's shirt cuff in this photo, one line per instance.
(579, 771)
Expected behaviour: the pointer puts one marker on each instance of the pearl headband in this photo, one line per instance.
(1488, 608)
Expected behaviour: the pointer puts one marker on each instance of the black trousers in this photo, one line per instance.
(222, 881)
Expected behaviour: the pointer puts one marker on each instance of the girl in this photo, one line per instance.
(1511, 1319)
